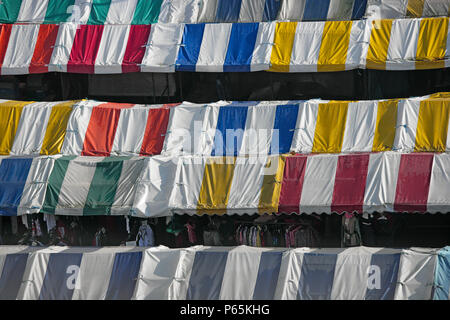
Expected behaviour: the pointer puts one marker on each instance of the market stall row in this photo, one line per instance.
(161, 186)
(199, 11)
(405, 44)
(207, 273)
(93, 128)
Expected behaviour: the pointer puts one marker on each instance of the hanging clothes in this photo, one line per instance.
(127, 219)
(61, 228)
(350, 229)
(211, 238)
(100, 238)
(145, 236)
(14, 226)
(50, 221)
(191, 232)
(275, 235)
(25, 221)
(37, 226)
(367, 230)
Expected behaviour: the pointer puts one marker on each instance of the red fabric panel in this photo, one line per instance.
(135, 48)
(155, 131)
(350, 183)
(85, 48)
(5, 33)
(44, 48)
(102, 129)
(292, 184)
(413, 182)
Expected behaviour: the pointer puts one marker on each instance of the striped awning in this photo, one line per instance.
(163, 186)
(236, 273)
(219, 11)
(79, 186)
(390, 182)
(407, 44)
(388, 9)
(177, 11)
(93, 128)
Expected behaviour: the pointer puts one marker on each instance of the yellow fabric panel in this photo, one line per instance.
(432, 126)
(379, 44)
(432, 43)
(56, 128)
(216, 185)
(330, 127)
(10, 113)
(271, 187)
(440, 95)
(386, 125)
(280, 58)
(415, 8)
(334, 47)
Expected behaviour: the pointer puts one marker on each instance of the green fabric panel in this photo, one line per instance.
(54, 184)
(9, 10)
(147, 12)
(104, 186)
(58, 11)
(99, 11)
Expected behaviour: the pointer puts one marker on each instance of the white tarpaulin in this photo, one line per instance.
(162, 186)
(197, 11)
(257, 128)
(401, 44)
(216, 273)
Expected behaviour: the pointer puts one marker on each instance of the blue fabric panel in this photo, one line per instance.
(12, 275)
(228, 10)
(295, 101)
(207, 275)
(190, 47)
(269, 269)
(13, 176)
(60, 278)
(243, 103)
(232, 121)
(271, 9)
(285, 121)
(359, 8)
(316, 10)
(317, 276)
(388, 265)
(240, 47)
(442, 275)
(124, 275)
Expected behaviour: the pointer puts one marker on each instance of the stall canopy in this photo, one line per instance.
(68, 185)
(405, 44)
(93, 128)
(96, 158)
(198, 11)
(206, 273)
(390, 182)
(162, 186)
(388, 9)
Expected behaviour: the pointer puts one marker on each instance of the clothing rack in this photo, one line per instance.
(268, 223)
